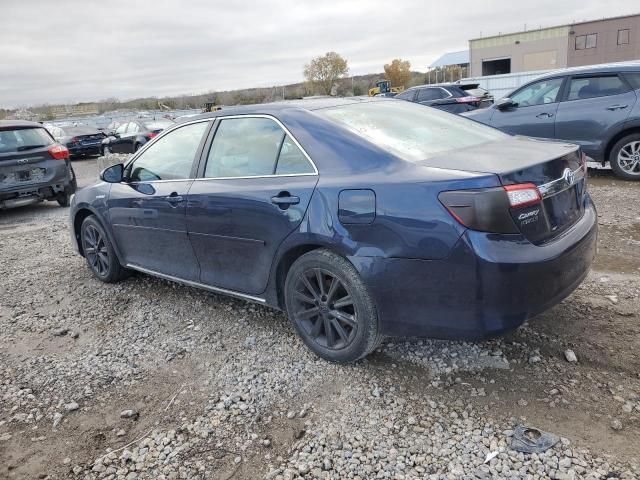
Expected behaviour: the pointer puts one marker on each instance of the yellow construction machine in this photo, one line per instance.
(384, 87)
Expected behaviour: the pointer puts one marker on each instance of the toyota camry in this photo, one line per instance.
(360, 218)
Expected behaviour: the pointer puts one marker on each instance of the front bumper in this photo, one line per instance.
(490, 283)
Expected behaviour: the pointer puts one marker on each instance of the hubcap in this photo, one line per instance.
(324, 309)
(95, 250)
(629, 158)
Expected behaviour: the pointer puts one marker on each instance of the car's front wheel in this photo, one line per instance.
(99, 253)
(330, 307)
(625, 157)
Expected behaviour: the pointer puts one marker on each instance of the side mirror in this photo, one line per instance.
(505, 104)
(113, 174)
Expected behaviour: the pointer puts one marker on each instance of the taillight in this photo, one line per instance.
(152, 134)
(485, 210)
(523, 195)
(467, 99)
(58, 152)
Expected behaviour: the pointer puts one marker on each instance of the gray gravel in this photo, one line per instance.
(151, 380)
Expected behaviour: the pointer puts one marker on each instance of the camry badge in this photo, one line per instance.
(568, 176)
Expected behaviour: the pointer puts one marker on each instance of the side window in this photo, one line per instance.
(244, 147)
(408, 95)
(539, 93)
(171, 157)
(596, 86)
(133, 128)
(291, 160)
(426, 94)
(634, 79)
(121, 129)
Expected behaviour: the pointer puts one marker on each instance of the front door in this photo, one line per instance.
(255, 189)
(148, 210)
(534, 113)
(594, 105)
(117, 141)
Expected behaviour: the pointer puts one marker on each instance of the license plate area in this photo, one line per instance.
(23, 176)
(565, 208)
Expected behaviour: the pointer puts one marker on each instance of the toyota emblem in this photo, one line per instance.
(568, 176)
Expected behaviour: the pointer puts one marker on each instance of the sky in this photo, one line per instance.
(64, 51)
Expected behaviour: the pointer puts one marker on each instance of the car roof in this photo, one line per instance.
(4, 124)
(309, 104)
(603, 68)
(435, 85)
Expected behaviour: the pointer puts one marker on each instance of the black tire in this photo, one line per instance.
(338, 321)
(625, 157)
(64, 198)
(99, 253)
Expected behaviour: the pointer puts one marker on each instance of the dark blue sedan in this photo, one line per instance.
(360, 218)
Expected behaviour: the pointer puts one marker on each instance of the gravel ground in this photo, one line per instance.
(151, 380)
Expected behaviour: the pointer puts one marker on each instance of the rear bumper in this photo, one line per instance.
(57, 178)
(490, 283)
(85, 149)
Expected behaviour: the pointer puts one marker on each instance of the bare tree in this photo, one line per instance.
(323, 71)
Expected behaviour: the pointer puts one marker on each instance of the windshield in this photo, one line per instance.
(410, 131)
(23, 139)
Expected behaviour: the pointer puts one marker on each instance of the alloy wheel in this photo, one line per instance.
(95, 250)
(325, 309)
(629, 158)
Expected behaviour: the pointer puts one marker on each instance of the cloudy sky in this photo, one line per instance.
(83, 50)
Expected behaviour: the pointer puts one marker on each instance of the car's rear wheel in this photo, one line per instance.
(331, 307)
(99, 253)
(64, 198)
(625, 157)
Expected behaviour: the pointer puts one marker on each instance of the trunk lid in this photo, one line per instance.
(556, 169)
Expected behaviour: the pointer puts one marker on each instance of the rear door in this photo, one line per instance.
(535, 112)
(255, 187)
(147, 211)
(593, 106)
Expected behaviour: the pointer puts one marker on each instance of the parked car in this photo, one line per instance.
(361, 218)
(595, 107)
(33, 166)
(450, 98)
(80, 140)
(128, 137)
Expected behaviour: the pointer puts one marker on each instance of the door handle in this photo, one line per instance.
(174, 198)
(617, 107)
(284, 200)
(544, 115)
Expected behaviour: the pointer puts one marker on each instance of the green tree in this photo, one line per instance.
(322, 72)
(398, 72)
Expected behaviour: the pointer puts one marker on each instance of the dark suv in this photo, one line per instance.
(596, 107)
(33, 167)
(450, 98)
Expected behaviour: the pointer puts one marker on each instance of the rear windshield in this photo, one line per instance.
(24, 139)
(412, 132)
